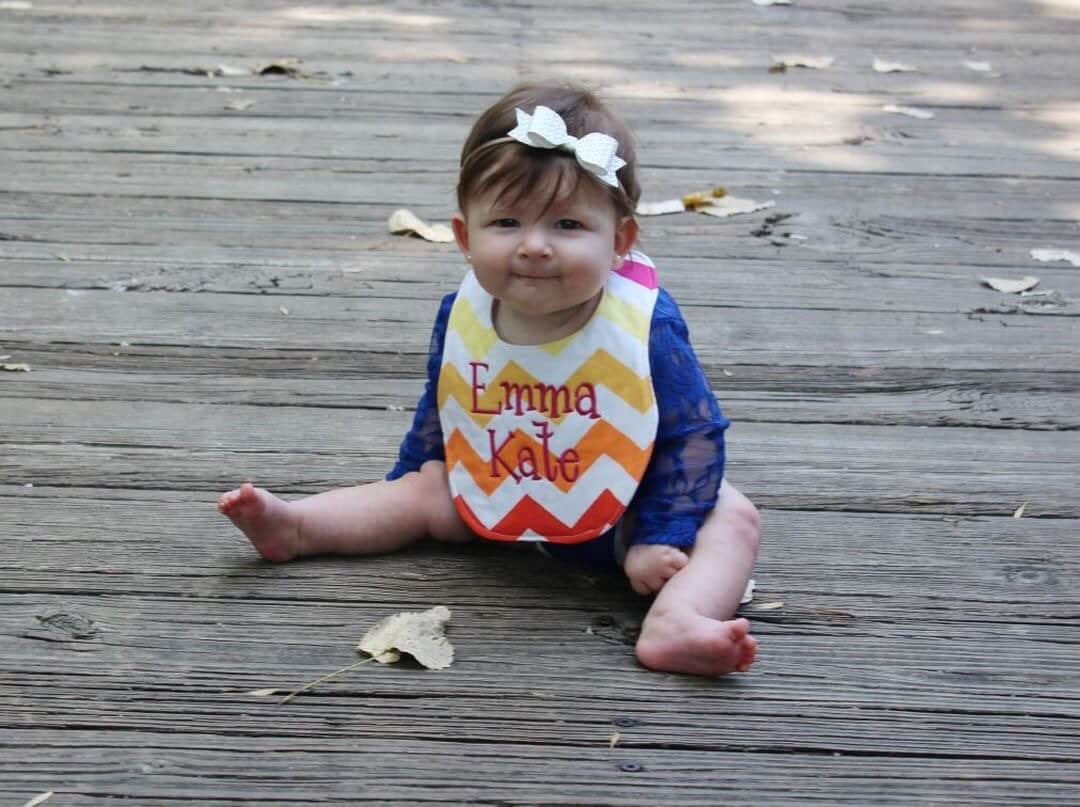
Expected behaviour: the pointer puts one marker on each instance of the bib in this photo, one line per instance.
(549, 442)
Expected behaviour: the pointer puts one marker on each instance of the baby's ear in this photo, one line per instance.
(461, 232)
(626, 233)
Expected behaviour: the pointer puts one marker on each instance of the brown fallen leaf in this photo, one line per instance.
(1011, 286)
(733, 206)
(1053, 255)
(748, 592)
(909, 111)
(289, 66)
(698, 199)
(883, 66)
(405, 222)
(420, 634)
(782, 63)
(660, 208)
(768, 606)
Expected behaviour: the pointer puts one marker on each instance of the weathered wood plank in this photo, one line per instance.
(161, 766)
(748, 393)
(790, 466)
(741, 335)
(993, 567)
(749, 279)
(916, 657)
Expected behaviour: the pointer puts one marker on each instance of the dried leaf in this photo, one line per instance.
(883, 66)
(1009, 286)
(229, 71)
(692, 201)
(262, 693)
(794, 60)
(978, 67)
(910, 111)
(660, 208)
(733, 206)
(748, 593)
(280, 67)
(19, 367)
(420, 634)
(1051, 255)
(39, 799)
(1020, 510)
(614, 740)
(769, 606)
(405, 222)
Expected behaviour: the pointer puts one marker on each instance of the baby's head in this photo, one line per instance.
(492, 161)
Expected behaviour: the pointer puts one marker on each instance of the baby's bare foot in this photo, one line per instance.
(265, 519)
(688, 642)
(649, 566)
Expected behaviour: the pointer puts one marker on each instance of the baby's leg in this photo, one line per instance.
(366, 519)
(689, 627)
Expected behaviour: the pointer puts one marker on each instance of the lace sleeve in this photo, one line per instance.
(424, 441)
(680, 485)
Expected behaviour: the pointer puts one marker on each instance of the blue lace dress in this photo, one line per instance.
(680, 485)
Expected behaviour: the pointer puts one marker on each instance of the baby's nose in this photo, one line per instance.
(535, 242)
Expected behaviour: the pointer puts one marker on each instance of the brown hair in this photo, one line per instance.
(490, 161)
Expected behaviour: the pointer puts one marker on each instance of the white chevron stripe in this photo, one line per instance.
(605, 474)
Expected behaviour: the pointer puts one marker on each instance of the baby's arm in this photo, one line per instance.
(680, 485)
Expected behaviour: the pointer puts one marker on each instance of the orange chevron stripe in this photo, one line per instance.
(528, 515)
(602, 438)
(600, 368)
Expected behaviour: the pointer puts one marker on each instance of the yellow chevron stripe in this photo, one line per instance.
(604, 368)
(477, 337)
(601, 369)
(626, 315)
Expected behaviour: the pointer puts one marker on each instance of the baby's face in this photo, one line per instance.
(537, 262)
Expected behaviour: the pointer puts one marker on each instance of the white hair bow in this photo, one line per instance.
(595, 152)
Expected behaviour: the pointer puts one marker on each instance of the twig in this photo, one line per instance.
(318, 681)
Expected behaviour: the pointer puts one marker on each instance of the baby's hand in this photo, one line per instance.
(649, 566)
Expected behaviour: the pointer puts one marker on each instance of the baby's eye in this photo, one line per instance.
(505, 222)
(568, 224)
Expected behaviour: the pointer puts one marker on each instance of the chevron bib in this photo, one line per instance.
(549, 442)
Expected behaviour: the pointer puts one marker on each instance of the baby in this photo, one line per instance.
(564, 404)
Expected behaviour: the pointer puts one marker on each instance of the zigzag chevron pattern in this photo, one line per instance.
(604, 475)
(549, 442)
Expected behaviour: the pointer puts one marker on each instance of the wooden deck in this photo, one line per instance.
(196, 270)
